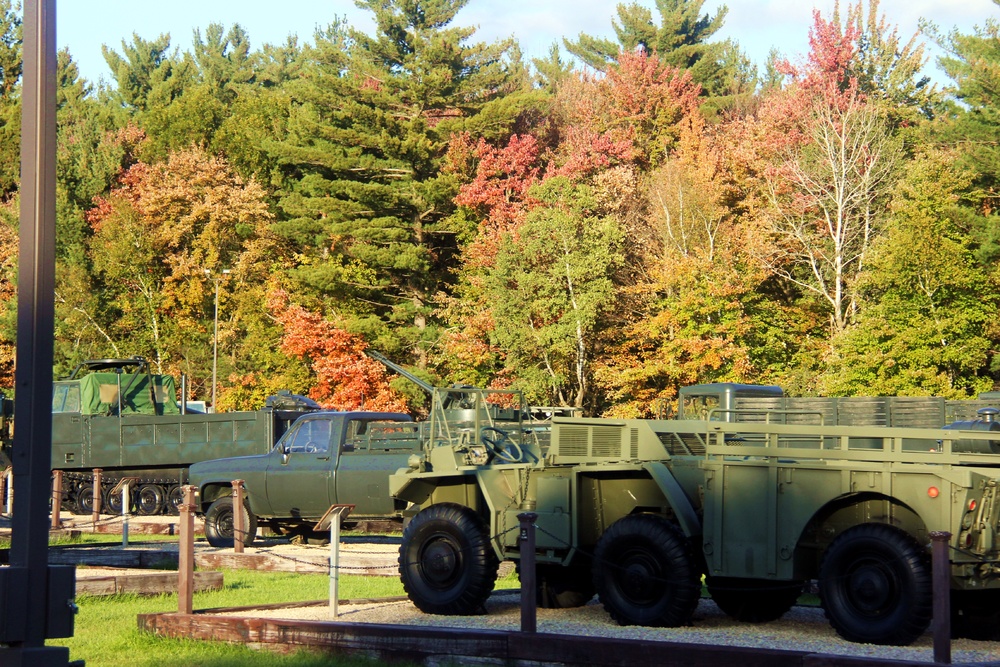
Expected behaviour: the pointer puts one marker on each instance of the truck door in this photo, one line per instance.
(299, 470)
(373, 450)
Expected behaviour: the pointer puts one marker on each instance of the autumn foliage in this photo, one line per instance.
(346, 379)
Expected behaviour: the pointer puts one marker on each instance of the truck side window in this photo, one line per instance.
(356, 429)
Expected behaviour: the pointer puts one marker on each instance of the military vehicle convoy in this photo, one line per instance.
(758, 492)
(116, 415)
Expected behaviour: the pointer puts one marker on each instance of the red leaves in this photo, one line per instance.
(346, 379)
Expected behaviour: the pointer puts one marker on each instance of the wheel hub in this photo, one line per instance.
(872, 588)
(440, 561)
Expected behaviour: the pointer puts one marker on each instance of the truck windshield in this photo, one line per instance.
(311, 436)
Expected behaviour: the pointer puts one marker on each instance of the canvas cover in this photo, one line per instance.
(99, 394)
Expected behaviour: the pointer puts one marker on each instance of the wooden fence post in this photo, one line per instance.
(239, 523)
(57, 476)
(185, 557)
(97, 497)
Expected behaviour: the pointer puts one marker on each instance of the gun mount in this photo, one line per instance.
(473, 426)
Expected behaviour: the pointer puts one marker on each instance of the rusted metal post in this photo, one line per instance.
(185, 556)
(97, 497)
(526, 547)
(941, 585)
(56, 497)
(239, 524)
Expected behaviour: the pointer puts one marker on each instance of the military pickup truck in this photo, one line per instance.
(757, 492)
(324, 458)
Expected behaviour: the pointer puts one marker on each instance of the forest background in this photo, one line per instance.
(596, 228)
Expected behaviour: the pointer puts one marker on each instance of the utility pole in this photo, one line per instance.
(215, 333)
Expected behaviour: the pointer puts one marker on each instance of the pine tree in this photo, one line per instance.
(365, 199)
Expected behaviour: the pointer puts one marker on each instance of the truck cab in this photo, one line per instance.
(325, 458)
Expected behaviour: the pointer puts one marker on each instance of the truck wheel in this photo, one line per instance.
(875, 585)
(149, 499)
(219, 524)
(564, 587)
(446, 563)
(645, 572)
(753, 600)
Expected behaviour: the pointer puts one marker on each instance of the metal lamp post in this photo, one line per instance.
(215, 332)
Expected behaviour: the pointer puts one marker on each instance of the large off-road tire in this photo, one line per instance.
(753, 600)
(875, 585)
(564, 587)
(149, 499)
(645, 572)
(219, 524)
(446, 563)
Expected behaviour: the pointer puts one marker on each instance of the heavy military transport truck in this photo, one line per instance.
(116, 415)
(757, 492)
(325, 458)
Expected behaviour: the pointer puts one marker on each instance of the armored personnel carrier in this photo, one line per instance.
(755, 491)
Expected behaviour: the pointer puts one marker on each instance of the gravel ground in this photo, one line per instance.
(801, 629)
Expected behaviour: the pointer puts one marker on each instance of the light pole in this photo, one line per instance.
(215, 332)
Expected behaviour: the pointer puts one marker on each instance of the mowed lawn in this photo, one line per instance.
(106, 632)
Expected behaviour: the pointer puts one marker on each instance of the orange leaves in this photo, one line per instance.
(346, 379)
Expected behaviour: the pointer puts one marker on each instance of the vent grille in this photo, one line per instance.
(573, 440)
(607, 442)
(634, 444)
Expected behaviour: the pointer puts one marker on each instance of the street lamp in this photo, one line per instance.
(215, 332)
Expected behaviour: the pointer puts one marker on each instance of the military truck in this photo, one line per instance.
(755, 491)
(325, 458)
(119, 416)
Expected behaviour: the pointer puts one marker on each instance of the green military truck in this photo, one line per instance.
(325, 458)
(757, 492)
(119, 416)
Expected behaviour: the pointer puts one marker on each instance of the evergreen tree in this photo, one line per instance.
(680, 40)
(366, 199)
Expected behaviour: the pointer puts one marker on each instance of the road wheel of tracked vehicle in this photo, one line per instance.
(446, 563)
(175, 496)
(113, 501)
(85, 499)
(875, 585)
(645, 572)
(753, 600)
(149, 499)
(219, 524)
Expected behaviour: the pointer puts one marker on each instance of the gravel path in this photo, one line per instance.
(801, 629)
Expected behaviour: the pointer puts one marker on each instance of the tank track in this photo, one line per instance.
(153, 493)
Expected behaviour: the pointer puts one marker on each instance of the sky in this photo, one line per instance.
(758, 25)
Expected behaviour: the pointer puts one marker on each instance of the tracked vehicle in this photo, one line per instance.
(119, 416)
(760, 492)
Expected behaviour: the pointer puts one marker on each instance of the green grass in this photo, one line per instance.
(106, 632)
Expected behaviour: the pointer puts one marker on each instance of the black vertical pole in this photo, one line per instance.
(529, 581)
(941, 585)
(32, 447)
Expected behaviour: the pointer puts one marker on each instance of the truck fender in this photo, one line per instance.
(678, 500)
